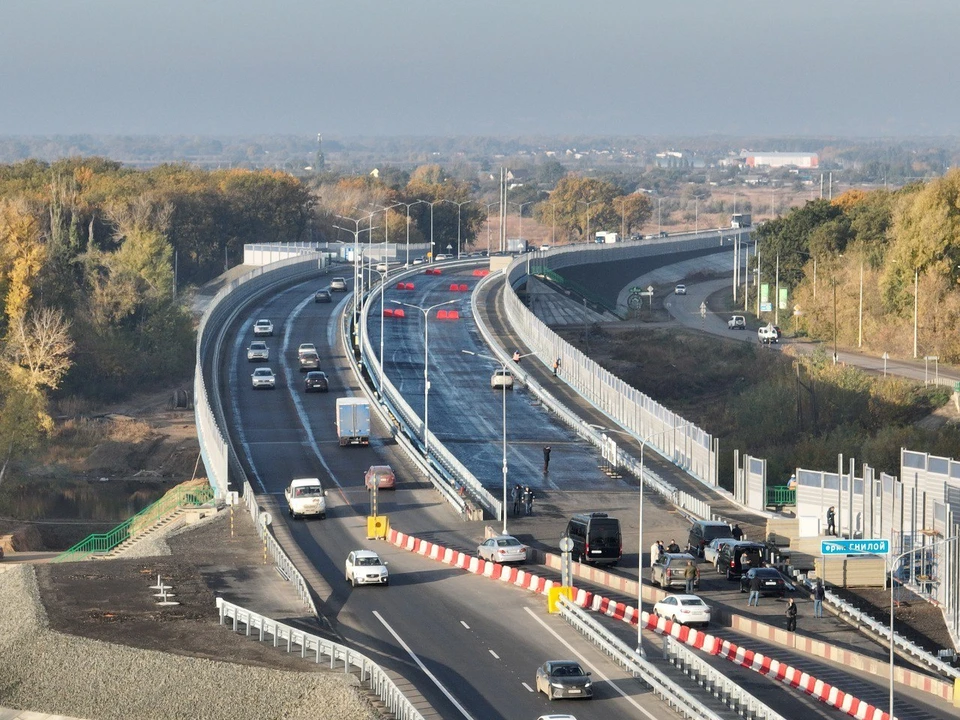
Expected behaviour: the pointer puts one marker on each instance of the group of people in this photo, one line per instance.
(556, 363)
(657, 549)
(523, 498)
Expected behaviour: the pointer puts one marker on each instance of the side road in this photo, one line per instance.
(89, 640)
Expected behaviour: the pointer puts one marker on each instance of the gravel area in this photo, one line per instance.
(110, 664)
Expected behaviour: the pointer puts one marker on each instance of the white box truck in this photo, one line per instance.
(353, 421)
(606, 237)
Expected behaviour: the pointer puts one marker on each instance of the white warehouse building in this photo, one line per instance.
(780, 159)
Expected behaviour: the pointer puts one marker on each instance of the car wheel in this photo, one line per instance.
(353, 582)
(550, 696)
(653, 581)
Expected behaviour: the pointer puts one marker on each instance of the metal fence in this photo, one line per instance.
(671, 435)
(320, 650)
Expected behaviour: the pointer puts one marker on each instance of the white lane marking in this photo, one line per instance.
(494, 654)
(423, 667)
(592, 667)
(295, 397)
(233, 386)
(464, 624)
(529, 689)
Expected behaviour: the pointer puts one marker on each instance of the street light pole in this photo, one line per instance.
(488, 206)
(916, 305)
(588, 204)
(520, 207)
(459, 205)
(383, 289)
(426, 364)
(356, 254)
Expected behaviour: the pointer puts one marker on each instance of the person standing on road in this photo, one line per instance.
(737, 533)
(556, 367)
(690, 577)
(791, 614)
(655, 549)
(831, 521)
(745, 564)
(528, 500)
(673, 547)
(516, 356)
(819, 592)
(546, 458)
(517, 493)
(754, 597)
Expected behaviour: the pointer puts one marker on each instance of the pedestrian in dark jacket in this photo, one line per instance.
(546, 458)
(673, 547)
(528, 500)
(819, 593)
(791, 614)
(754, 598)
(517, 496)
(737, 533)
(831, 521)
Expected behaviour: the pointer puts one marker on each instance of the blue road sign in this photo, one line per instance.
(871, 546)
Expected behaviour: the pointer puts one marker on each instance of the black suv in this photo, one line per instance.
(729, 557)
(702, 532)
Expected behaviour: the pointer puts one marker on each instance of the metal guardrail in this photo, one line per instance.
(99, 543)
(914, 651)
(280, 558)
(334, 654)
(390, 396)
(675, 696)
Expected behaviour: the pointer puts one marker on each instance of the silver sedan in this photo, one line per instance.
(502, 549)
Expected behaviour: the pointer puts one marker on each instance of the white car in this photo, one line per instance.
(684, 609)
(364, 567)
(382, 267)
(418, 261)
(262, 328)
(769, 333)
(338, 284)
(680, 290)
(502, 549)
(441, 257)
(306, 348)
(257, 351)
(502, 379)
(711, 549)
(263, 378)
(737, 322)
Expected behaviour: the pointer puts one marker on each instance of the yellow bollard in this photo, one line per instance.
(377, 527)
(554, 594)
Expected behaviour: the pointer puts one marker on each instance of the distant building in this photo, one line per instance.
(780, 159)
(678, 159)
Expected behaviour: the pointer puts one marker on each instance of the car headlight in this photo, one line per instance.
(588, 684)
(556, 685)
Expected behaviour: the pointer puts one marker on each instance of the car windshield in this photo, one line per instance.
(508, 542)
(691, 602)
(369, 561)
(263, 373)
(710, 532)
(567, 670)
(307, 491)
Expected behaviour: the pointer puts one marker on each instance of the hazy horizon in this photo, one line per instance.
(855, 69)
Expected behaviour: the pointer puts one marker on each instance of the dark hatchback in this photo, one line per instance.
(322, 296)
(316, 381)
(771, 581)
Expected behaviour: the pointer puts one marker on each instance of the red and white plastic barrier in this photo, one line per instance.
(620, 611)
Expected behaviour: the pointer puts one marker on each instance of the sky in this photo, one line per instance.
(846, 68)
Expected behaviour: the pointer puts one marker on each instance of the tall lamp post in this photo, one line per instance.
(588, 204)
(520, 207)
(503, 387)
(383, 289)
(944, 541)
(408, 206)
(426, 364)
(488, 206)
(459, 206)
(356, 256)
(643, 446)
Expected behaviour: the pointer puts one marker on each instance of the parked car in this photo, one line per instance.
(667, 571)
(702, 532)
(258, 351)
(263, 378)
(684, 609)
(262, 328)
(338, 284)
(737, 322)
(771, 581)
(502, 549)
(729, 557)
(309, 361)
(712, 549)
(564, 679)
(384, 475)
(502, 379)
(364, 567)
(596, 538)
(316, 381)
(322, 296)
(680, 290)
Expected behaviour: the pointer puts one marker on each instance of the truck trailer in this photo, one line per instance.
(353, 421)
(606, 237)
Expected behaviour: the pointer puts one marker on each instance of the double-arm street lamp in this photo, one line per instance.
(426, 363)
(588, 204)
(503, 387)
(459, 206)
(383, 290)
